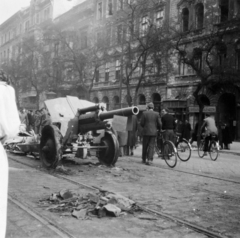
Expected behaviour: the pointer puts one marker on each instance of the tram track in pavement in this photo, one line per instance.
(63, 233)
(226, 196)
(191, 173)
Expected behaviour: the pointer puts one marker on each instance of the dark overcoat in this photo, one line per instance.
(151, 123)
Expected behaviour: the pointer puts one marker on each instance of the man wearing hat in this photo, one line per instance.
(150, 123)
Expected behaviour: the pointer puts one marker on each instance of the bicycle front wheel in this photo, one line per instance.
(157, 150)
(200, 149)
(169, 154)
(213, 150)
(183, 150)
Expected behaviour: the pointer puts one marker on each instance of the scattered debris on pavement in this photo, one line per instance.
(84, 206)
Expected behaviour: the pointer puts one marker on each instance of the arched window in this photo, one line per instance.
(127, 101)
(116, 103)
(199, 10)
(106, 101)
(141, 99)
(185, 19)
(95, 100)
(156, 99)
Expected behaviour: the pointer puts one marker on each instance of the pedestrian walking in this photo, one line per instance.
(132, 136)
(168, 125)
(9, 127)
(122, 137)
(151, 123)
(194, 137)
(186, 130)
(226, 136)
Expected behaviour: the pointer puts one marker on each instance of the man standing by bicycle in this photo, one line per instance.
(150, 123)
(168, 125)
(210, 129)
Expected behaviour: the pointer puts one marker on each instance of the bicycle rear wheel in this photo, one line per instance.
(200, 149)
(213, 150)
(170, 154)
(183, 150)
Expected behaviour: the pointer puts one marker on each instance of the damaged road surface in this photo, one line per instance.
(80, 206)
(80, 211)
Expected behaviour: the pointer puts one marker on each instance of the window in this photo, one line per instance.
(56, 49)
(184, 69)
(107, 72)
(224, 10)
(109, 35)
(83, 39)
(222, 53)
(46, 13)
(199, 15)
(158, 65)
(117, 76)
(26, 26)
(119, 34)
(144, 24)
(97, 74)
(37, 18)
(159, 17)
(185, 19)
(110, 8)
(237, 8)
(197, 58)
(238, 57)
(119, 5)
(99, 11)
(99, 39)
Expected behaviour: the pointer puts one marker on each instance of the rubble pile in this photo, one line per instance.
(99, 204)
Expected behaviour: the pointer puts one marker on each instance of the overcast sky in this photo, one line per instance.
(9, 7)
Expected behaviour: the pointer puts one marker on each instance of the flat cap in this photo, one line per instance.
(150, 105)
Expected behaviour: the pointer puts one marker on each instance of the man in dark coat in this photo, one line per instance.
(168, 125)
(151, 123)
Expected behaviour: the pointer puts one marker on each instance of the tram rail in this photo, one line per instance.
(192, 226)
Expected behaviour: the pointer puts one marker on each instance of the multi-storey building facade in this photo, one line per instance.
(94, 23)
(210, 38)
(106, 17)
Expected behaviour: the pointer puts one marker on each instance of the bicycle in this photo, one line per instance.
(169, 151)
(183, 148)
(213, 147)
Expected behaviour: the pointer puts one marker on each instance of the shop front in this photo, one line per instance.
(177, 107)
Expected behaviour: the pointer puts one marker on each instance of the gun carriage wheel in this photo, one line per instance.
(50, 146)
(109, 155)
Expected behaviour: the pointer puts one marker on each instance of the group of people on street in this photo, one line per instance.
(33, 120)
(169, 125)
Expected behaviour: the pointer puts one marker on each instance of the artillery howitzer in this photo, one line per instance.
(80, 127)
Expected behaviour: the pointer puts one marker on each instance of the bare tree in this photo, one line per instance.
(143, 40)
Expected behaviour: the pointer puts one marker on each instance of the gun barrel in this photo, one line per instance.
(89, 109)
(128, 111)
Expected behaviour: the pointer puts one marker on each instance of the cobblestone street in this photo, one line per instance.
(201, 192)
